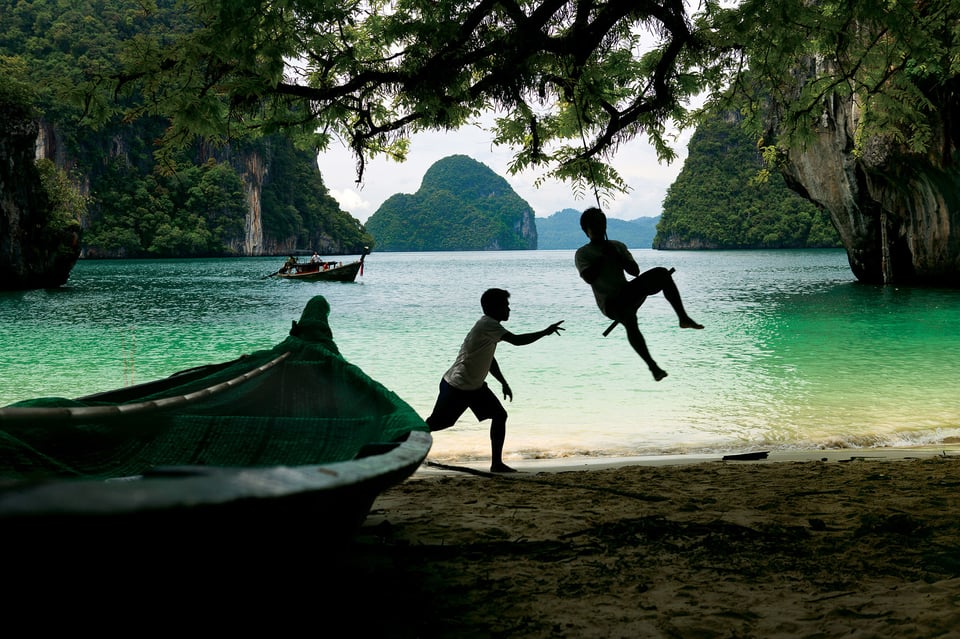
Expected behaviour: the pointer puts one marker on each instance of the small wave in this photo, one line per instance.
(844, 442)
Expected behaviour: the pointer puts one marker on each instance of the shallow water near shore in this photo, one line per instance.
(795, 354)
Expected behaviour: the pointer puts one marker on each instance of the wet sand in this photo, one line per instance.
(816, 544)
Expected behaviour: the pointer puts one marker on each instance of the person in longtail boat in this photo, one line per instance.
(290, 265)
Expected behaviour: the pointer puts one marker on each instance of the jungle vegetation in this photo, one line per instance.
(144, 200)
(570, 80)
(724, 199)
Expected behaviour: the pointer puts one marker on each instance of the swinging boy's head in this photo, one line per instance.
(594, 223)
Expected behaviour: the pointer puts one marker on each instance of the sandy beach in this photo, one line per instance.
(838, 544)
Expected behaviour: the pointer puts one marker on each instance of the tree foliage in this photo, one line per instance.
(68, 204)
(144, 200)
(184, 211)
(17, 94)
(571, 80)
(899, 61)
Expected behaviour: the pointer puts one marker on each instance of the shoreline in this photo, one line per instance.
(603, 463)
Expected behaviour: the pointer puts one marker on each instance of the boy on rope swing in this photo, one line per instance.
(601, 263)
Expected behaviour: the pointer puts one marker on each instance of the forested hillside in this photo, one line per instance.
(253, 196)
(462, 205)
(562, 230)
(717, 201)
(39, 210)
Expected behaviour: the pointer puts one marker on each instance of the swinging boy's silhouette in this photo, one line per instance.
(602, 263)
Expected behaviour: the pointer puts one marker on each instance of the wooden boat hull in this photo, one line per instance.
(294, 436)
(324, 271)
(332, 500)
(345, 273)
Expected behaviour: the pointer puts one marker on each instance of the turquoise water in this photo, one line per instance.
(795, 353)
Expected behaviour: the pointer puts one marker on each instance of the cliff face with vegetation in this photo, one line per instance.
(259, 197)
(38, 247)
(462, 205)
(897, 211)
(717, 201)
(253, 196)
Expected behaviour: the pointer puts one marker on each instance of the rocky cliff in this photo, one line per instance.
(33, 254)
(897, 211)
(717, 202)
(285, 206)
(254, 171)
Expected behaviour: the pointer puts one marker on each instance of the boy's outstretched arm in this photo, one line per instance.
(529, 338)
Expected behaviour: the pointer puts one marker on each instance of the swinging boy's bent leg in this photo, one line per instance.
(654, 281)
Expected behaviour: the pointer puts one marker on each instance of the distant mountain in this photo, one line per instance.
(562, 231)
(462, 205)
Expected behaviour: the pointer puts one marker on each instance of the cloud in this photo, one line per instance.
(637, 163)
(351, 200)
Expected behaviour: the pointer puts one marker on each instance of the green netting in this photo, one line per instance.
(312, 407)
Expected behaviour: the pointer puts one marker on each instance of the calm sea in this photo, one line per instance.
(795, 353)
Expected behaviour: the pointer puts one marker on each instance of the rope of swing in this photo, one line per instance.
(583, 142)
(593, 179)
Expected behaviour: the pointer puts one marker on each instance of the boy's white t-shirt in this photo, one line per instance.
(472, 365)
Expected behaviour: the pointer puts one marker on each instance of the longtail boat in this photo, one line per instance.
(293, 438)
(323, 271)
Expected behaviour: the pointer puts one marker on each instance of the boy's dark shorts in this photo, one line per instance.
(452, 402)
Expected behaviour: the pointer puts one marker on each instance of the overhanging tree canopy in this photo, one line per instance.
(569, 79)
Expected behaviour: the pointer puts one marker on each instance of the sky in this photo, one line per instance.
(636, 162)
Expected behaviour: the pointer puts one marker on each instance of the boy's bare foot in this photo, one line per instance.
(658, 374)
(502, 468)
(689, 323)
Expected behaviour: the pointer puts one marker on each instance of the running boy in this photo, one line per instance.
(463, 385)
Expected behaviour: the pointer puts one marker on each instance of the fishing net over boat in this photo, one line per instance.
(298, 403)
